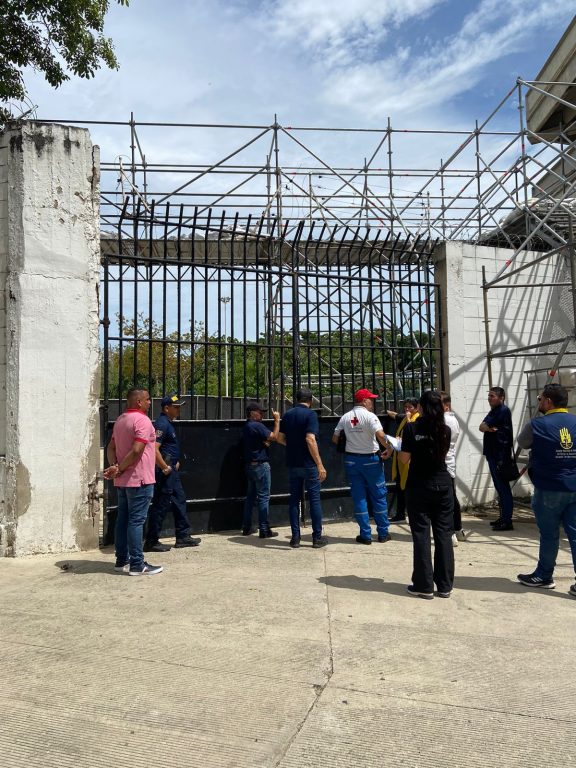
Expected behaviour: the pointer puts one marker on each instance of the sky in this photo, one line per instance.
(425, 64)
(312, 62)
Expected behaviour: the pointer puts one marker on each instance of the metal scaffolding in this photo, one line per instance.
(295, 194)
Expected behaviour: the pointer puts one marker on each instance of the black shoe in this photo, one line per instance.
(156, 546)
(362, 540)
(267, 534)
(188, 541)
(295, 542)
(495, 522)
(503, 525)
(385, 538)
(248, 531)
(529, 580)
(416, 592)
(317, 543)
(398, 519)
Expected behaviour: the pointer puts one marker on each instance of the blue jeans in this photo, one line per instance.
(133, 506)
(300, 478)
(366, 478)
(550, 509)
(167, 493)
(258, 476)
(503, 490)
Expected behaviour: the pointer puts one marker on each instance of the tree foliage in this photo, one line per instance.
(54, 37)
(196, 363)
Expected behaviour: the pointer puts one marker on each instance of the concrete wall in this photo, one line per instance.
(49, 259)
(517, 317)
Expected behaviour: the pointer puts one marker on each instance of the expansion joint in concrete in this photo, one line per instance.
(319, 689)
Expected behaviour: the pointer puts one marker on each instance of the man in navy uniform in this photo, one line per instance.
(168, 491)
(552, 469)
(299, 432)
(256, 438)
(498, 438)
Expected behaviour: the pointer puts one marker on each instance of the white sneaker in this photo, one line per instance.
(454, 540)
(462, 535)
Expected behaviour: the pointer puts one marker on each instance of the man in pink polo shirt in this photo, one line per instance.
(132, 455)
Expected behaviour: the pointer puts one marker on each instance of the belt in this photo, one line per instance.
(349, 453)
(260, 461)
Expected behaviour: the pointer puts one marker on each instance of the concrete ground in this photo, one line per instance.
(247, 653)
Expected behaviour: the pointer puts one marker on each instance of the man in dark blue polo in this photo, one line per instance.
(498, 438)
(256, 438)
(299, 430)
(168, 491)
(552, 469)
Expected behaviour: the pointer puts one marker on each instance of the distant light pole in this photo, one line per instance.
(225, 300)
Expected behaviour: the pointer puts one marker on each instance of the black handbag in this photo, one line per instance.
(507, 469)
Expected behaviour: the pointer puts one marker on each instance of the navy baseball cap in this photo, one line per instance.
(254, 406)
(171, 400)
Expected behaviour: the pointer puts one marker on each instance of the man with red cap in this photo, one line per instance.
(364, 432)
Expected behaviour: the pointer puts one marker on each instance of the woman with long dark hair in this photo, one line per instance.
(425, 443)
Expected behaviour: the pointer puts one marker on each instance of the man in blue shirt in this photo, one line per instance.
(256, 438)
(552, 469)
(168, 490)
(498, 438)
(299, 430)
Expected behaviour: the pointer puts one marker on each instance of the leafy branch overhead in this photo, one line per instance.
(55, 37)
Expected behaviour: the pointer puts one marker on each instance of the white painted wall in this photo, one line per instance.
(49, 260)
(517, 318)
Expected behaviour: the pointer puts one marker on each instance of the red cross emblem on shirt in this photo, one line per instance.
(354, 421)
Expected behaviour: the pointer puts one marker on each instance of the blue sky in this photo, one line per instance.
(313, 62)
(426, 64)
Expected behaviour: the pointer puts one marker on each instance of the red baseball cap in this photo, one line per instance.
(364, 394)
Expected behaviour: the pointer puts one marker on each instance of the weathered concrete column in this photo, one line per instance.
(49, 352)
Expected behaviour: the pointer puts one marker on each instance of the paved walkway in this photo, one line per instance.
(247, 653)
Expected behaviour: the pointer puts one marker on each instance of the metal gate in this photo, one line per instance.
(225, 312)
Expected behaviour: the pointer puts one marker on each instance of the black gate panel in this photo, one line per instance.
(223, 313)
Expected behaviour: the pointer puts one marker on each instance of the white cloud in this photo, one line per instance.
(414, 81)
(338, 30)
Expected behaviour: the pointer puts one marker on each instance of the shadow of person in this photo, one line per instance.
(82, 567)
(499, 584)
(255, 541)
(363, 584)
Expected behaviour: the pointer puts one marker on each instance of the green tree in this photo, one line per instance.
(53, 37)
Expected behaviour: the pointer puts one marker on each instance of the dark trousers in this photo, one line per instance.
(400, 501)
(168, 492)
(432, 505)
(457, 510)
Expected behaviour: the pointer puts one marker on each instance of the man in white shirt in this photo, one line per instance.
(451, 421)
(363, 432)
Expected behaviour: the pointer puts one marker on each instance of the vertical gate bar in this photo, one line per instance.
(309, 343)
(296, 372)
(207, 345)
(120, 315)
(164, 341)
(135, 226)
(220, 298)
(245, 393)
(282, 273)
(231, 279)
(393, 315)
(150, 250)
(269, 339)
(179, 387)
(193, 273)
(257, 340)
